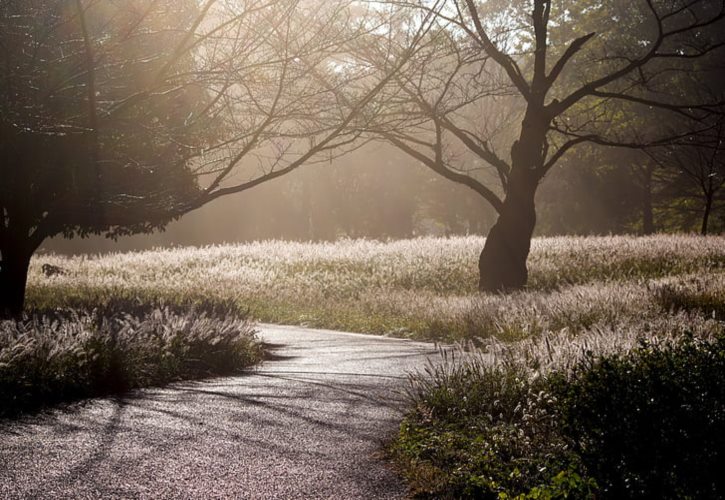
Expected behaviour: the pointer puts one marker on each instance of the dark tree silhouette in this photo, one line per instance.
(117, 117)
(69, 162)
(504, 90)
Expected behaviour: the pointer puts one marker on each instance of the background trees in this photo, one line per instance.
(695, 169)
(322, 202)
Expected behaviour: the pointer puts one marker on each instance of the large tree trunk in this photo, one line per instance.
(502, 265)
(16, 248)
(13, 280)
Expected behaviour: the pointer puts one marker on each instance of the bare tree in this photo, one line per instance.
(119, 117)
(558, 83)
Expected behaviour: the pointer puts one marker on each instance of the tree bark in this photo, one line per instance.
(13, 281)
(502, 265)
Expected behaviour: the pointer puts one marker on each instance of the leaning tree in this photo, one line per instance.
(117, 117)
(503, 90)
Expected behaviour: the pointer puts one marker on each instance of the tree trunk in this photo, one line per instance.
(502, 265)
(13, 280)
(706, 215)
(648, 224)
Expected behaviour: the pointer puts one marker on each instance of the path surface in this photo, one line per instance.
(309, 423)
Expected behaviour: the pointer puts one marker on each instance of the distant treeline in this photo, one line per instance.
(379, 193)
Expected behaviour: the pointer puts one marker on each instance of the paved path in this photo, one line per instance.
(308, 424)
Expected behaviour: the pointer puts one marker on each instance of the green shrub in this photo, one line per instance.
(646, 424)
(651, 423)
(483, 431)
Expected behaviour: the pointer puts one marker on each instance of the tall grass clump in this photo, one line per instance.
(639, 421)
(54, 356)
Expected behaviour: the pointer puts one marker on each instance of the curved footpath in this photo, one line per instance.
(309, 423)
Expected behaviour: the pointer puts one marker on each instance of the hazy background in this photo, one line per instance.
(379, 192)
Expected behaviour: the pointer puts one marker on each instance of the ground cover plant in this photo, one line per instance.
(57, 355)
(423, 288)
(643, 423)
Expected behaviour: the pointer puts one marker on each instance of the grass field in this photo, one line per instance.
(423, 288)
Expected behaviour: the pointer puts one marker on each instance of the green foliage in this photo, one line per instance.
(651, 423)
(481, 431)
(121, 168)
(646, 424)
(55, 356)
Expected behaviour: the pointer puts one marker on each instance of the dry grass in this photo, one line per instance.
(67, 354)
(423, 288)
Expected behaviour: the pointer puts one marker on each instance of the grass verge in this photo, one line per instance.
(646, 423)
(53, 356)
